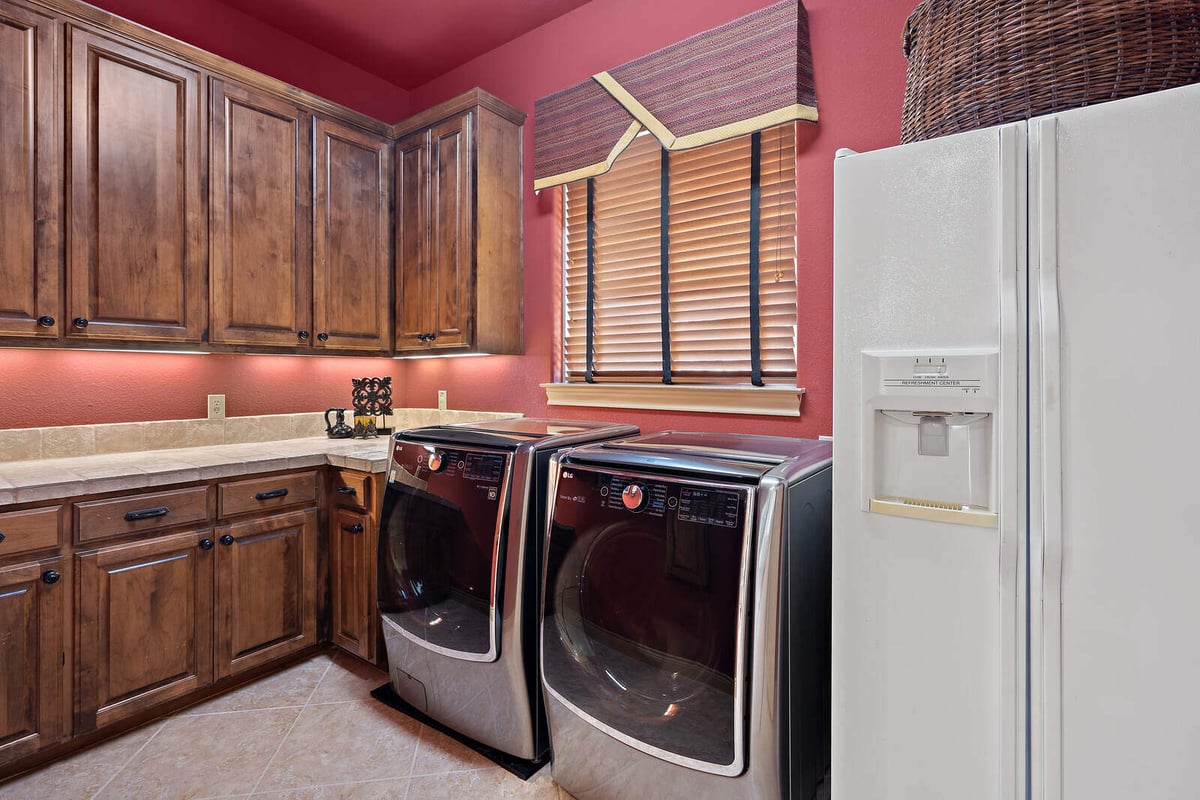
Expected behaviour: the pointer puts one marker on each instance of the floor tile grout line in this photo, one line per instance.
(162, 724)
(291, 727)
(413, 766)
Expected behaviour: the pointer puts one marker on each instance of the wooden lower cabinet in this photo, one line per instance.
(34, 676)
(352, 538)
(266, 589)
(145, 619)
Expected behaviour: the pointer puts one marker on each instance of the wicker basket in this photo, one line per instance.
(974, 63)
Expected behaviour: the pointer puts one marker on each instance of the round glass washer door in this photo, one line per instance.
(644, 625)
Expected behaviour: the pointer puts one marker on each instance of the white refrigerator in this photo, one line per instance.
(1016, 551)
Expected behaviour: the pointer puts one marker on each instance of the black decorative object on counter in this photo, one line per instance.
(372, 398)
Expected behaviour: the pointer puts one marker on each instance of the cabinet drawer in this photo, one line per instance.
(117, 516)
(265, 494)
(352, 489)
(24, 531)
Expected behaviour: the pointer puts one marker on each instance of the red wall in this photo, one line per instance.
(859, 76)
(859, 81)
(218, 28)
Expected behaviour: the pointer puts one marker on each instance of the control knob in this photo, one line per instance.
(437, 462)
(634, 497)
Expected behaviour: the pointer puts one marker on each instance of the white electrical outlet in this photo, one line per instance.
(216, 406)
(441, 399)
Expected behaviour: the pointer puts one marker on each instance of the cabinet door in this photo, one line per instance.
(413, 278)
(35, 687)
(136, 265)
(451, 245)
(145, 625)
(261, 226)
(352, 238)
(30, 173)
(266, 589)
(352, 539)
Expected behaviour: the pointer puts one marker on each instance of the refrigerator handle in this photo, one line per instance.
(1050, 413)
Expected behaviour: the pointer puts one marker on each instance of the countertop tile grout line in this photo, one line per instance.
(291, 727)
(162, 724)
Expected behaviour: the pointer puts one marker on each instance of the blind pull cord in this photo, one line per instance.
(590, 354)
(755, 225)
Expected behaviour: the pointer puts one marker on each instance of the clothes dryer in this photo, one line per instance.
(459, 569)
(685, 633)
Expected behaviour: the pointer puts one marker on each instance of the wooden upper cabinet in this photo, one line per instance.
(136, 261)
(30, 173)
(261, 219)
(352, 238)
(458, 229)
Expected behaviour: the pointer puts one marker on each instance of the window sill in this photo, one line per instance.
(777, 401)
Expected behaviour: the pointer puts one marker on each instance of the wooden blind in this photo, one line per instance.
(708, 265)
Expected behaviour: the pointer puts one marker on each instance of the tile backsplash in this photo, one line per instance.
(26, 444)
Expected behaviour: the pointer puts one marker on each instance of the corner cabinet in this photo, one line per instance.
(31, 114)
(352, 238)
(260, 253)
(458, 229)
(353, 534)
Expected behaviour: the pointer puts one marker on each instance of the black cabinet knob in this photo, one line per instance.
(79, 322)
(1, 537)
(302, 335)
(206, 544)
(341, 490)
(355, 528)
(227, 540)
(50, 576)
(322, 337)
(46, 321)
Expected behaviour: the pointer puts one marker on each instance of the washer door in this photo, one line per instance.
(643, 632)
(440, 547)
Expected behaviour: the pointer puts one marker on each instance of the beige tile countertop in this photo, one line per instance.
(52, 478)
(39, 479)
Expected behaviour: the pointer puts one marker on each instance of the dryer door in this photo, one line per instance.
(644, 629)
(441, 539)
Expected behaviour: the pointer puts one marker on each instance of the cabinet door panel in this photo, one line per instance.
(352, 539)
(145, 625)
(351, 238)
(266, 590)
(33, 692)
(451, 238)
(412, 242)
(136, 268)
(30, 173)
(261, 246)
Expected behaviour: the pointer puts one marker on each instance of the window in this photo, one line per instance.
(693, 319)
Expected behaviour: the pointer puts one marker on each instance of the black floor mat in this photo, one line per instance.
(522, 768)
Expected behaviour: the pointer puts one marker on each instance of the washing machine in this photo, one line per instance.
(686, 617)
(459, 569)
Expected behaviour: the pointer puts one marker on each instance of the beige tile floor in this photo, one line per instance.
(310, 732)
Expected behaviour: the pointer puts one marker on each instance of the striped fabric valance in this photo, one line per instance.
(744, 76)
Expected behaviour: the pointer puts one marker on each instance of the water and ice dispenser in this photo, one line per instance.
(929, 428)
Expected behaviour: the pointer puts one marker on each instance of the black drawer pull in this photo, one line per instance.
(355, 528)
(2, 537)
(270, 494)
(147, 513)
(347, 490)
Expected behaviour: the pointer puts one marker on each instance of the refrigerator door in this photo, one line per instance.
(928, 660)
(1115, 209)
